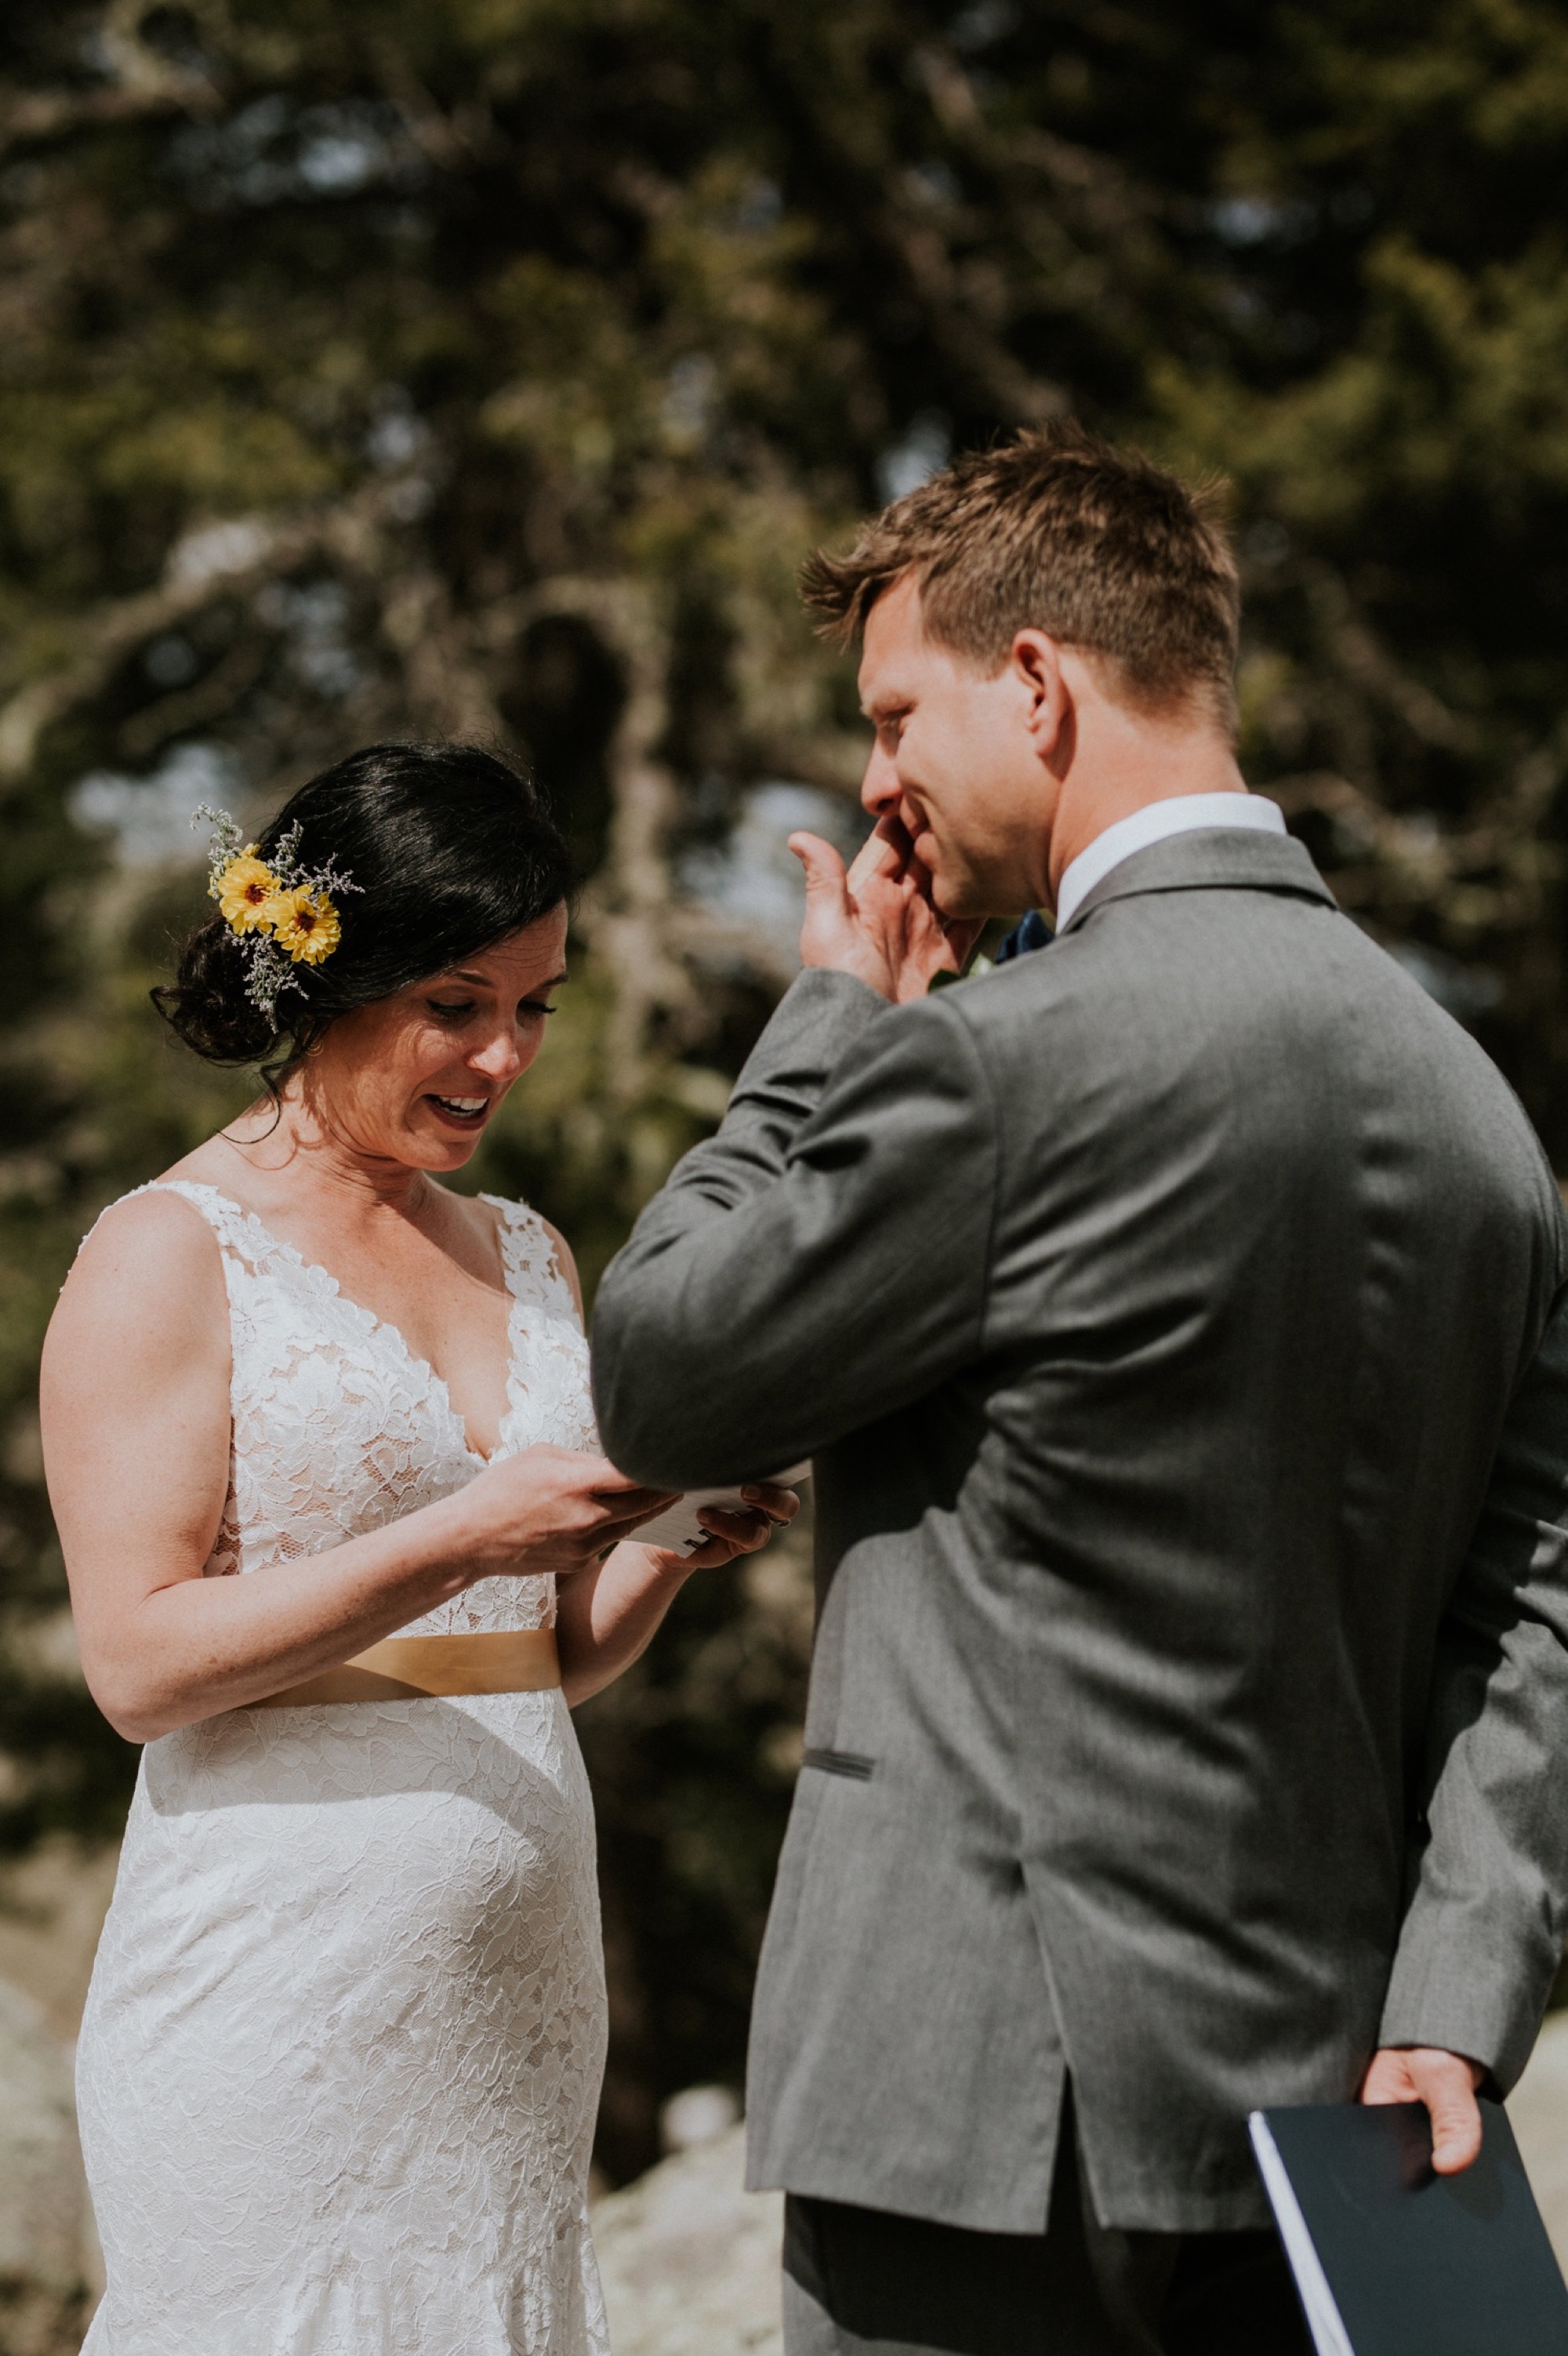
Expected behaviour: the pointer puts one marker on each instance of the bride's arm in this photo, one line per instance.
(134, 1398)
(608, 1615)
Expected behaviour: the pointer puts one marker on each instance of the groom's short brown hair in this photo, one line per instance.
(1056, 531)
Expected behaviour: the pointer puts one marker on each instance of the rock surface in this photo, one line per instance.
(1539, 2110)
(43, 2291)
(690, 2260)
(52, 1906)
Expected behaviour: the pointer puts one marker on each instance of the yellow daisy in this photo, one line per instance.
(304, 922)
(245, 893)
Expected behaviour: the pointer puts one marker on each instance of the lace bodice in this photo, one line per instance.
(339, 1429)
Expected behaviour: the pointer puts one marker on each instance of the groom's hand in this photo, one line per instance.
(876, 921)
(1446, 2083)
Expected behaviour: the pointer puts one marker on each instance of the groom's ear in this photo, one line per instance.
(1035, 661)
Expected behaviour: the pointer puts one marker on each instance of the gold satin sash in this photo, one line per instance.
(410, 1668)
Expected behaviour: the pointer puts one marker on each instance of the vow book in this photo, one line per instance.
(1392, 2259)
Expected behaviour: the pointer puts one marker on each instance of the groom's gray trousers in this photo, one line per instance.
(860, 2282)
(1174, 1318)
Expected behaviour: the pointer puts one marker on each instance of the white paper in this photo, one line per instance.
(678, 1526)
(1324, 2320)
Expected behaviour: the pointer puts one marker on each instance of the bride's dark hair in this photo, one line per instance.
(451, 850)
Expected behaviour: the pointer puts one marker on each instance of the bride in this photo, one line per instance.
(342, 2050)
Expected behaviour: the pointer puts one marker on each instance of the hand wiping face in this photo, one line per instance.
(876, 920)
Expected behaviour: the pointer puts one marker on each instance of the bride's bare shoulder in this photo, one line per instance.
(137, 1360)
(149, 1267)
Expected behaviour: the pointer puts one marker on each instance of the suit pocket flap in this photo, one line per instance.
(853, 1763)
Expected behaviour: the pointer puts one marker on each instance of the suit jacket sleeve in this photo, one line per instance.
(1484, 1933)
(820, 1263)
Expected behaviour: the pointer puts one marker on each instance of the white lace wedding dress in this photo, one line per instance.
(342, 2050)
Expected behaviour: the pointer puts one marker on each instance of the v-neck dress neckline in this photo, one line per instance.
(383, 1330)
(337, 1426)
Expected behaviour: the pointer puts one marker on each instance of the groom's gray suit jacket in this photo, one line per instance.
(1173, 1317)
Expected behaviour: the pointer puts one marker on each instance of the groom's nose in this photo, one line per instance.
(880, 793)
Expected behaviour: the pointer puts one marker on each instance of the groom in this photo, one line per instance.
(1174, 1318)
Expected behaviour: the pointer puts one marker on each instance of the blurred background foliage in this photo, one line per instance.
(380, 368)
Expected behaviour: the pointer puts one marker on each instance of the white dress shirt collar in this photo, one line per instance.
(1178, 814)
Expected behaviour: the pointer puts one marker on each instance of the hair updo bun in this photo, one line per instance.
(450, 850)
(206, 1003)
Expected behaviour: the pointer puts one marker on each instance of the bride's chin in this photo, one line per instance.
(437, 1145)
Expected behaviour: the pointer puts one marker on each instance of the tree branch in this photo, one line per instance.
(230, 559)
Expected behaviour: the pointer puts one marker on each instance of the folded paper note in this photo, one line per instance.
(678, 1526)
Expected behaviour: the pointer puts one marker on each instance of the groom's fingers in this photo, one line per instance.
(1446, 2083)
(884, 852)
(827, 887)
(828, 934)
(1455, 2134)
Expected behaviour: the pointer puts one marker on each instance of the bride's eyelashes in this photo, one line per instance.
(459, 1010)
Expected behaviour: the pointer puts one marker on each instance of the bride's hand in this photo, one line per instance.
(605, 1618)
(734, 1534)
(550, 1509)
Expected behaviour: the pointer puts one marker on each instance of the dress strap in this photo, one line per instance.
(238, 1234)
(533, 1266)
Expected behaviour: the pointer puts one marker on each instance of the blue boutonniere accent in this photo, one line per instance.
(1031, 933)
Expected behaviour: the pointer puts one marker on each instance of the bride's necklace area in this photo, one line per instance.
(315, 1253)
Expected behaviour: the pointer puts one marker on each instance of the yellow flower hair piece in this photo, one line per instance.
(305, 924)
(245, 893)
(281, 914)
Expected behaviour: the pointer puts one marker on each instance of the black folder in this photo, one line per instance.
(1392, 2259)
